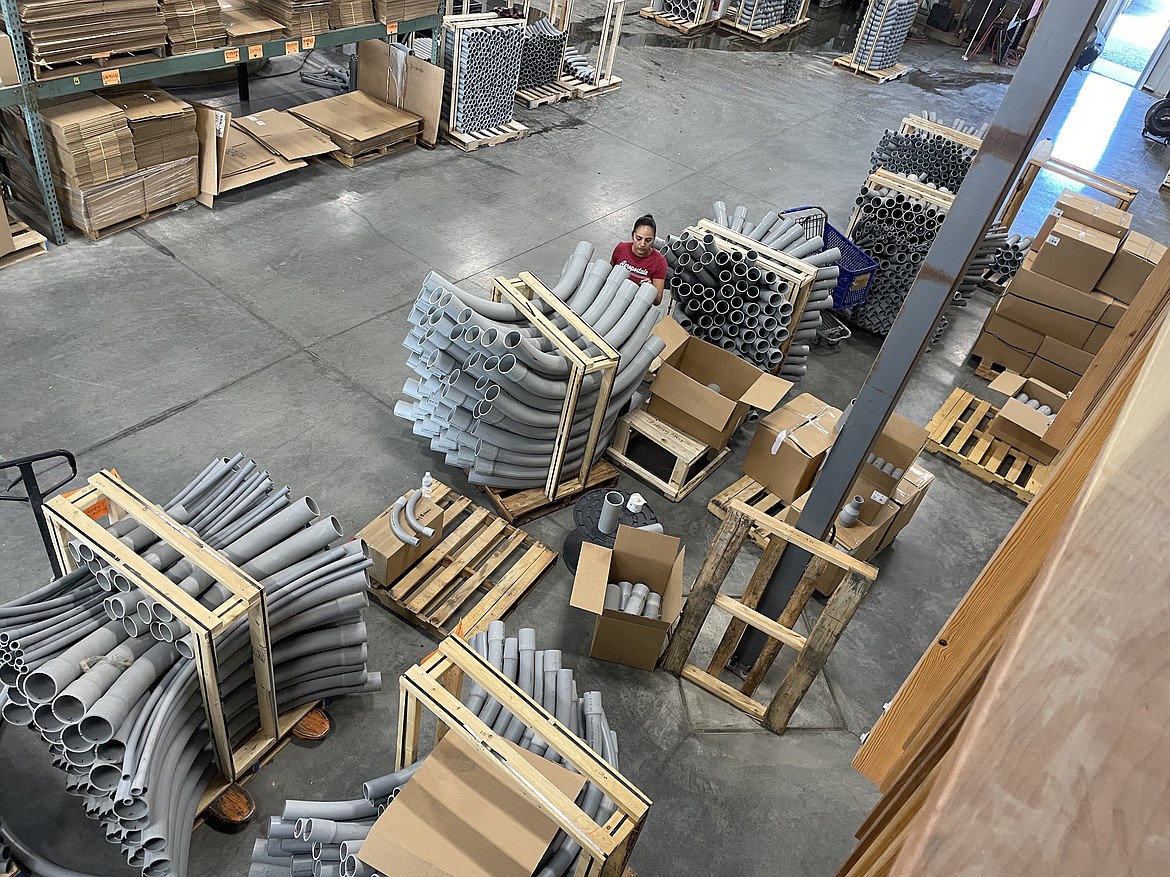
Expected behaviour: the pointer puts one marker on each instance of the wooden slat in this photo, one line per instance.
(754, 589)
(762, 623)
(436, 556)
(801, 539)
(477, 544)
(522, 576)
(471, 583)
(796, 603)
(723, 691)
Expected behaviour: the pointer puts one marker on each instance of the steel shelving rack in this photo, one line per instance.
(28, 93)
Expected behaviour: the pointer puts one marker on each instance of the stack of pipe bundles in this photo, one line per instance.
(763, 14)
(927, 155)
(490, 387)
(542, 51)
(579, 66)
(312, 837)
(727, 300)
(483, 88)
(1009, 258)
(105, 675)
(883, 33)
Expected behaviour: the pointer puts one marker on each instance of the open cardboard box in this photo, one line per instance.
(1021, 426)
(457, 818)
(392, 557)
(900, 443)
(680, 394)
(809, 428)
(637, 556)
(861, 540)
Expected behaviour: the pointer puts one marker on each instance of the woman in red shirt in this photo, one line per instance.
(645, 263)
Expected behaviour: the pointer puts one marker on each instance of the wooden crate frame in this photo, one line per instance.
(464, 561)
(852, 63)
(470, 140)
(958, 431)
(560, 14)
(799, 275)
(611, 33)
(522, 293)
(688, 27)
(1122, 194)
(519, 506)
(75, 516)
(883, 179)
(750, 492)
(687, 451)
(916, 124)
(812, 651)
(730, 21)
(436, 682)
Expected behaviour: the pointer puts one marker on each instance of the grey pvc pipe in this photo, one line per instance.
(611, 510)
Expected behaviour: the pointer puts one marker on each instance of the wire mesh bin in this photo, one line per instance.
(857, 268)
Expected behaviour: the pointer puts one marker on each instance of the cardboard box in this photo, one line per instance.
(285, 135)
(458, 818)
(1012, 333)
(1075, 255)
(900, 443)
(246, 27)
(991, 349)
(1051, 307)
(1097, 339)
(1134, 262)
(392, 557)
(680, 394)
(7, 245)
(1089, 212)
(230, 157)
(1113, 313)
(395, 77)
(8, 74)
(861, 540)
(1018, 424)
(808, 425)
(1059, 365)
(636, 556)
(908, 496)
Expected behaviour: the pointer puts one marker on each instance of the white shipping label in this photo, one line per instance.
(1052, 240)
(1057, 212)
(879, 497)
(220, 124)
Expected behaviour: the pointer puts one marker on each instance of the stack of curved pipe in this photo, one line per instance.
(121, 709)
(542, 50)
(490, 387)
(322, 837)
(730, 302)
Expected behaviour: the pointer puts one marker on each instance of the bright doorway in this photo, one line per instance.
(1131, 34)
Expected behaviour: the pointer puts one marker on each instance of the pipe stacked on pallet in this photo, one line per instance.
(927, 155)
(762, 14)
(883, 33)
(490, 387)
(542, 50)
(972, 277)
(730, 302)
(483, 84)
(579, 66)
(121, 710)
(323, 837)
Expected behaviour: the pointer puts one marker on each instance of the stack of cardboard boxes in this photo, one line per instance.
(162, 127)
(246, 26)
(1084, 271)
(791, 444)
(402, 10)
(299, 18)
(193, 25)
(58, 32)
(350, 13)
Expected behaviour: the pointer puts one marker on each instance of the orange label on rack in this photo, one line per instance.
(292, 47)
(99, 509)
(309, 43)
(391, 28)
(255, 53)
(231, 56)
(111, 77)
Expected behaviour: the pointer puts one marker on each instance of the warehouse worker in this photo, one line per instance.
(645, 263)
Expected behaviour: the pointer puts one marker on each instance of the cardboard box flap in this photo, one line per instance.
(766, 392)
(1008, 383)
(900, 442)
(1029, 418)
(589, 583)
(675, 387)
(642, 556)
(456, 818)
(284, 134)
(673, 334)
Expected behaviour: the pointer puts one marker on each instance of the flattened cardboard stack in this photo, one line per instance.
(299, 18)
(405, 10)
(89, 141)
(193, 25)
(350, 13)
(61, 31)
(162, 127)
(246, 27)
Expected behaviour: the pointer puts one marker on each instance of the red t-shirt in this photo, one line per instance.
(651, 267)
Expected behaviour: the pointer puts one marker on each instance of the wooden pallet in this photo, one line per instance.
(521, 506)
(883, 75)
(97, 234)
(28, 242)
(674, 22)
(958, 430)
(352, 161)
(730, 22)
(582, 89)
(987, 369)
(689, 454)
(476, 574)
(489, 137)
(753, 494)
(542, 95)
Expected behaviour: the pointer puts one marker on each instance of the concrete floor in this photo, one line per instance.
(273, 325)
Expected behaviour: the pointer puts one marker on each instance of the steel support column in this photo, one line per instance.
(1029, 99)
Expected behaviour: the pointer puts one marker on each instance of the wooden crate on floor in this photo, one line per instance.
(751, 493)
(28, 243)
(885, 74)
(476, 574)
(436, 684)
(521, 506)
(604, 81)
(542, 95)
(958, 430)
(694, 460)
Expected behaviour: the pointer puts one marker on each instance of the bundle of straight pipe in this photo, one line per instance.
(484, 92)
(121, 710)
(728, 301)
(931, 157)
(959, 125)
(490, 390)
(541, 51)
(768, 13)
(1009, 258)
(883, 33)
(323, 837)
(633, 598)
